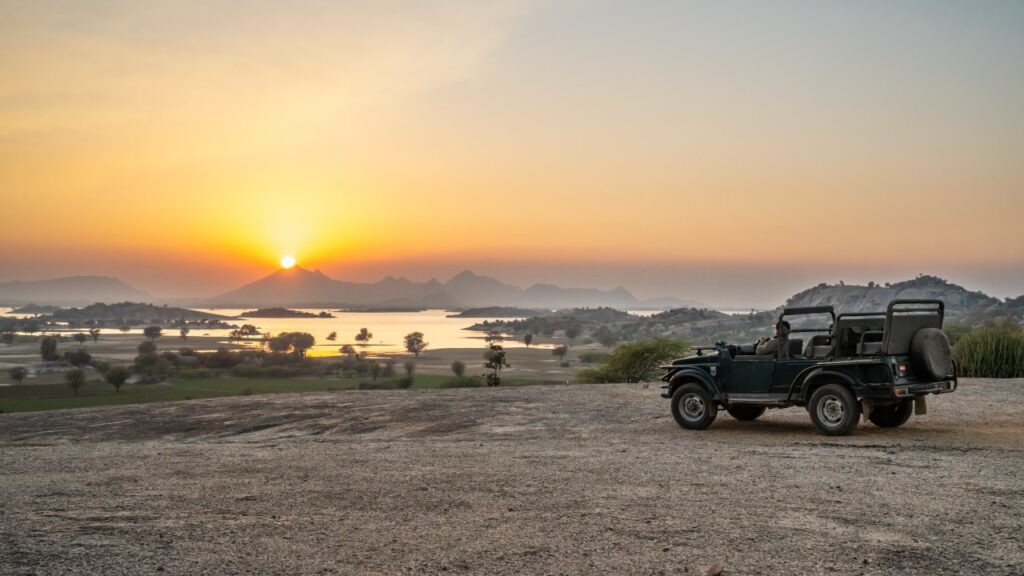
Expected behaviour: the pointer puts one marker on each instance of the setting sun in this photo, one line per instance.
(287, 261)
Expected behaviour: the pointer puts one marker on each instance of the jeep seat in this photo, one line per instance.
(870, 343)
(819, 346)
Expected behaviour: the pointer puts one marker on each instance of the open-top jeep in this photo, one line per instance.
(879, 364)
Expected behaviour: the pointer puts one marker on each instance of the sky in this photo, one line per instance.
(727, 152)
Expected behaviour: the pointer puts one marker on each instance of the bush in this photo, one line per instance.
(592, 357)
(637, 362)
(79, 357)
(991, 352)
(380, 385)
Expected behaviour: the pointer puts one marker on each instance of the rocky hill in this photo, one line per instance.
(73, 290)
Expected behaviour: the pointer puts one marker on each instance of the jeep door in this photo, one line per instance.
(786, 370)
(750, 374)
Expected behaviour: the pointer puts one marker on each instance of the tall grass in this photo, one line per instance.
(991, 352)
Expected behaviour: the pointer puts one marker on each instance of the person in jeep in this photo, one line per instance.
(777, 344)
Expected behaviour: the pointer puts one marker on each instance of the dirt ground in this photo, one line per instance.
(531, 480)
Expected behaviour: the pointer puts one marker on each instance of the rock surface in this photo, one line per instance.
(534, 480)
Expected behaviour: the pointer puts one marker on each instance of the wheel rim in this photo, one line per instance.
(692, 406)
(831, 410)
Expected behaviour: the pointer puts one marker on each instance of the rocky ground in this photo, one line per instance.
(532, 480)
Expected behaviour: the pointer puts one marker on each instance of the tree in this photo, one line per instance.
(152, 332)
(7, 337)
(458, 368)
(493, 336)
(297, 342)
(18, 373)
(572, 331)
(606, 337)
(560, 351)
(389, 369)
(375, 369)
(30, 327)
(80, 337)
(79, 357)
(125, 327)
(116, 376)
(364, 336)
(414, 343)
(410, 371)
(48, 349)
(332, 336)
(75, 379)
(494, 361)
(183, 331)
(347, 349)
(528, 339)
(146, 348)
(95, 334)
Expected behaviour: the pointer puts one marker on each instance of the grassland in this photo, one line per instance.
(35, 397)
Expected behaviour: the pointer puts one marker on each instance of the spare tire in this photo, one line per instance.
(931, 354)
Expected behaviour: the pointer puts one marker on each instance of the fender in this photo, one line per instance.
(694, 374)
(812, 373)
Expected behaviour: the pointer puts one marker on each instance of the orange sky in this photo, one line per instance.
(185, 146)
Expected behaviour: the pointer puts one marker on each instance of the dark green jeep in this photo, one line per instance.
(879, 364)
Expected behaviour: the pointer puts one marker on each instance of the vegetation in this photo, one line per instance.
(414, 343)
(636, 362)
(48, 349)
(80, 338)
(296, 342)
(183, 332)
(991, 351)
(116, 376)
(494, 360)
(528, 339)
(152, 332)
(75, 379)
(364, 336)
(560, 352)
(18, 373)
(94, 333)
(458, 368)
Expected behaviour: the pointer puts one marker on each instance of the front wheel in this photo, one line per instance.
(893, 415)
(745, 411)
(693, 408)
(834, 410)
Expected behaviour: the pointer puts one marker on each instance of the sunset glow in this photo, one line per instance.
(573, 143)
(287, 262)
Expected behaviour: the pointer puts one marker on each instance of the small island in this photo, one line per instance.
(500, 312)
(283, 313)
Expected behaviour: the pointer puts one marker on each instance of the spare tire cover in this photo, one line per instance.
(931, 354)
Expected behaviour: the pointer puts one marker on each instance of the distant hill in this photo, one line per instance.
(283, 313)
(73, 290)
(133, 313)
(298, 287)
(875, 298)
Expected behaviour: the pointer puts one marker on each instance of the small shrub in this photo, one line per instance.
(636, 362)
(246, 391)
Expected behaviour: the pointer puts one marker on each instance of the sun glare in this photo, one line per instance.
(287, 261)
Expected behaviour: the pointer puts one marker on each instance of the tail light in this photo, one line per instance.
(901, 370)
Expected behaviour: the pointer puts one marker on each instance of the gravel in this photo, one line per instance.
(532, 480)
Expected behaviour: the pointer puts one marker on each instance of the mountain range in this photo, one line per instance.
(297, 287)
(72, 290)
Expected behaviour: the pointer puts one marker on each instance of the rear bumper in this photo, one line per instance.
(666, 391)
(907, 389)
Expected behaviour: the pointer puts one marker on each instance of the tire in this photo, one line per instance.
(931, 354)
(834, 410)
(692, 407)
(893, 415)
(745, 412)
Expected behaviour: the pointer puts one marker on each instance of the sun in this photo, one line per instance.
(287, 261)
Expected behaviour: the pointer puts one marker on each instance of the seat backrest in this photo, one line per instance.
(850, 327)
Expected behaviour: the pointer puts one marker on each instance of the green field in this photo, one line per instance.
(35, 397)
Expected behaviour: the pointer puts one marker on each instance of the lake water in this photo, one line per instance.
(388, 329)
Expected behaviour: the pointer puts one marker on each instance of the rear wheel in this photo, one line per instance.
(692, 407)
(834, 410)
(893, 415)
(745, 411)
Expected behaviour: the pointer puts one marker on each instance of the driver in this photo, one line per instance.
(777, 344)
